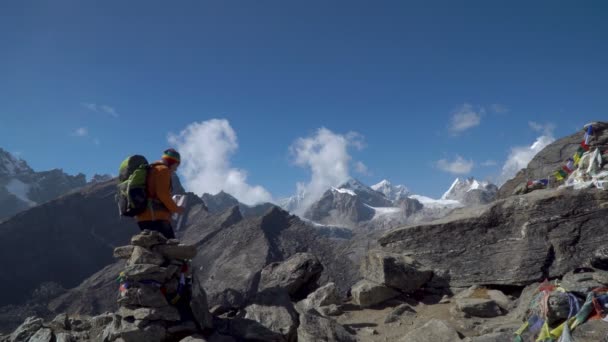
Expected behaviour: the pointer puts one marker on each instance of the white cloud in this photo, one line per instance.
(499, 108)
(465, 117)
(520, 156)
(101, 108)
(489, 163)
(81, 132)
(361, 168)
(458, 166)
(206, 148)
(325, 153)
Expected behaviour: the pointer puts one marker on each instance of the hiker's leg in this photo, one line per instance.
(143, 225)
(166, 229)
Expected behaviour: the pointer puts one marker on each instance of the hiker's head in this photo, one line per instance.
(171, 158)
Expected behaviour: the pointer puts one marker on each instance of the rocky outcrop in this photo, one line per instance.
(298, 275)
(520, 239)
(553, 157)
(394, 270)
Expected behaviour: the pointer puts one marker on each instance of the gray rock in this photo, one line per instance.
(314, 328)
(123, 252)
(521, 239)
(522, 304)
(330, 310)
(148, 238)
(599, 258)
(494, 337)
(394, 270)
(42, 335)
(142, 255)
(183, 328)
(143, 295)
(136, 331)
(199, 305)
(434, 330)
(273, 310)
(178, 252)
(579, 283)
(397, 313)
(501, 299)
(323, 296)
(61, 322)
(366, 293)
(26, 330)
(478, 307)
(591, 331)
(559, 308)
(194, 339)
(147, 272)
(63, 337)
(79, 324)
(298, 275)
(601, 277)
(167, 313)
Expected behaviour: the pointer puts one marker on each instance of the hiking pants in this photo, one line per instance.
(161, 226)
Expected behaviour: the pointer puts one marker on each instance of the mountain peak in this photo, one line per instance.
(461, 187)
(11, 165)
(390, 191)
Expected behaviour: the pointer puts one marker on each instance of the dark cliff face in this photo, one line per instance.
(554, 156)
(64, 241)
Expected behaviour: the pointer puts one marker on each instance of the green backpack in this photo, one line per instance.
(131, 196)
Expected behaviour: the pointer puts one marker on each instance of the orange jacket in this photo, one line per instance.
(159, 191)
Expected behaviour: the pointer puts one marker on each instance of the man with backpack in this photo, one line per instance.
(144, 191)
(157, 215)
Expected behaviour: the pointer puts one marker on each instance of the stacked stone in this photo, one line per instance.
(154, 279)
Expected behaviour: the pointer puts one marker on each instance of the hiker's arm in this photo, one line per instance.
(163, 185)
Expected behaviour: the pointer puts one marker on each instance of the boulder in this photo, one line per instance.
(501, 299)
(148, 238)
(366, 293)
(27, 329)
(273, 310)
(200, 306)
(123, 252)
(178, 252)
(298, 275)
(42, 335)
(140, 272)
(323, 296)
(166, 313)
(141, 255)
(434, 330)
(579, 283)
(521, 239)
(314, 327)
(591, 331)
(143, 295)
(601, 277)
(135, 331)
(599, 258)
(394, 270)
(559, 308)
(478, 307)
(397, 313)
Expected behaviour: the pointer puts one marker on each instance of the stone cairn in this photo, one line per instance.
(154, 290)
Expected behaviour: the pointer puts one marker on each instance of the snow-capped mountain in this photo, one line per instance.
(390, 191)
(470, 191)
(21, 187)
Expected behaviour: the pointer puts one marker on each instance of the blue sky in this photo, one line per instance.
(85, 83)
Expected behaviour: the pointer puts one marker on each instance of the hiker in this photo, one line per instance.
(157, 215)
